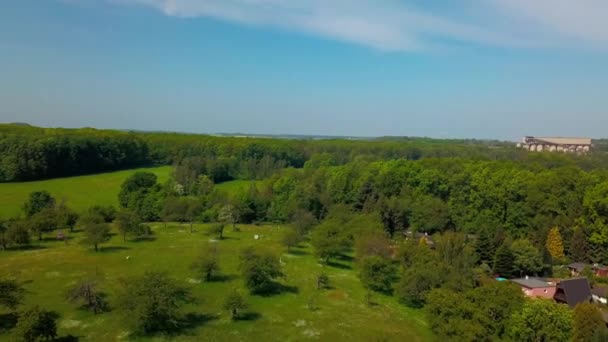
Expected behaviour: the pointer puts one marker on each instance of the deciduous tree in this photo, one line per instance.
(96, 231)
(235, 304)
(555, 245)
(377, 273)
(152, 302)
(291, 238)
(587, 323)
(11, 293)
(207, 263)
(260, 268)
(526, 257)
(128, 223)
(541, 320)
(37, 201)
(87, 294)
(36, 324)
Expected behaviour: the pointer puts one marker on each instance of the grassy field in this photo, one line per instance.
(80, 192)
(342, 313)
(236, 186)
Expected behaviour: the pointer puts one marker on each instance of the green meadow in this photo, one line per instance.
(299, 313)
(236, 186)
(80, 192)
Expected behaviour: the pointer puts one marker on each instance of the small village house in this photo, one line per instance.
(536, 287)
(573, 292)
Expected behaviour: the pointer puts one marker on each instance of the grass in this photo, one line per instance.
(80, 192)
(235, 187)
(341, 315)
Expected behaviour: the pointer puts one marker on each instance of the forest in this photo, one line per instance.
(430, 223)
(33, 153)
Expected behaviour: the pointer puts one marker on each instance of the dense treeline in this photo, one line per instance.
(30, 153)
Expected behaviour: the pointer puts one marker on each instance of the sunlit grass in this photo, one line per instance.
(80, 192)
(341, 315)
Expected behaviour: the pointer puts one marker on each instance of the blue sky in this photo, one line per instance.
(470, 68)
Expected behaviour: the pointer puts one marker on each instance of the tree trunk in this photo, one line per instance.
(40, 236)
(124, 236)
(191, 227)
(96, 249)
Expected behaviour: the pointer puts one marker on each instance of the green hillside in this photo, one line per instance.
(80, 192)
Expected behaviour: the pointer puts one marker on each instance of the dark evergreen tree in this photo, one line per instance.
(485, 247)
(503, 261)
(579, 247)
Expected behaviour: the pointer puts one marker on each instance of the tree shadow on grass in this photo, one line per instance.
(113, 249)
(148, 238)
(345, 258)
(339, 265)
(68, 338)
(224, 278)
(229, 238)
(8, 321)
(193, 320)
(249, 316)
(297, 252)
(27, 248)
(276, 288)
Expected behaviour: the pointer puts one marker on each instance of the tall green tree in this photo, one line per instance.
(96, 231)
(37, 201)
(526, 258)
(43, 221)
(485, 247)
(541, 320)
(35, 324)
(579, 246)
(11, 293)
(152, 302)
(128, 223)
(418, 280)
(477, 314)
(207, 263)
(330, 240)
(377, 273)
(17, 233)
(588, 323)
(291, 238)
(429, 215)
(229, 215)
(235, 304)
(4, 242)
(503, 261)
(259, 268)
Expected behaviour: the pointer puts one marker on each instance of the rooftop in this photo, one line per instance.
(532, 283)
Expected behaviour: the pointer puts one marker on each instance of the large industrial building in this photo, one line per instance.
(550, 144)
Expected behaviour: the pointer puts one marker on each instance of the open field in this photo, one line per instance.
(236, 186)
(80, 192)
(342, 314)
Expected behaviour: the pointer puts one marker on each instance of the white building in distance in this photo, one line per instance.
(554, 144)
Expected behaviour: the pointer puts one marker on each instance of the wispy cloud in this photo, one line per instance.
(413, 24)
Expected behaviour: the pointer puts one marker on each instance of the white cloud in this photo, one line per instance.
(410, 24)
